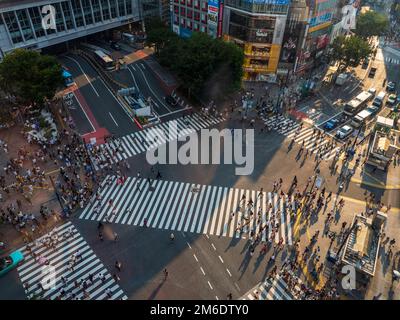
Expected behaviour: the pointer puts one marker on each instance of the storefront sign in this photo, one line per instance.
(261, 33)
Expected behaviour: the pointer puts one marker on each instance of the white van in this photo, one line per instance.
(378, 101)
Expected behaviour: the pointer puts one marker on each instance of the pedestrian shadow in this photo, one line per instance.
(245, 264)
(257, 263)
(234, 241)
(155, 291)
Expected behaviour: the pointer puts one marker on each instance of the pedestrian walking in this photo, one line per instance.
(172, 237)
(115, 236)
(165, 274)
(118, 265)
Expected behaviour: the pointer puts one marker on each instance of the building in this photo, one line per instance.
(362, 246)
(295, 29)
(189, 16)
(21, 21)
(258, 27)
(321, 14)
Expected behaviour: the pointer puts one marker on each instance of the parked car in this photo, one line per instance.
(391, 86)
(114, 45)
(372, 91)
(391, 99)
(171, 100)
(10, 262)
(344, 131)
(331, 124)
(372, 72)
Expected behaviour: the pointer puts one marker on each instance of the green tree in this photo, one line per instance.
(350, 51)
(371, 23)
(29, 76)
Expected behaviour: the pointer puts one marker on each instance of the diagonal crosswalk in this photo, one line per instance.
(187, 207)
(312, 142)
(60, 262)
(277, 289)
(141, 141)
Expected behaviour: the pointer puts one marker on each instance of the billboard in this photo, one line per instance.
(212, 17)
(323, 11)
(273, 2)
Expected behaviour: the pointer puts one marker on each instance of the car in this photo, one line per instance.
(365, 63)
(331, 124)
(10, 262)
(391, 86)
(391, 99)
(114, 45)
(344, 131)
(171, 100)
(372, 91)
(372, 72)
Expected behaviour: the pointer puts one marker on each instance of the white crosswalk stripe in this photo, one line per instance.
(291, 129)
(141, 141)
(275, 290)
(392, 60)
(203, 209)
(49, 264)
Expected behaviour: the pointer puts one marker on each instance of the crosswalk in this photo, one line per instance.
(392, 60)
(51, 272)
(277, 289)
(195, 208)
(291, 129)
(152, 137)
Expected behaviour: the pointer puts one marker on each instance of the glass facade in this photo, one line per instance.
(252, 29)
(257, 6)
(26, 24)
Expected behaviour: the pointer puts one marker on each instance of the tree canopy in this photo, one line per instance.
(29, 76)
(194, 60)
(371, 23)
(350, 51)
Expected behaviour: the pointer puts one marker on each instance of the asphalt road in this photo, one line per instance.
(106, 109)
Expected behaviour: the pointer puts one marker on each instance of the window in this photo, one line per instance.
(182, 22)
(176, 19)
(204, 6)
(176, 9)
(11, 21)
(59, 18)
(128, 7)
(196, 4)
(182, 1)
(96, 10)
(189, 14)
(67, 15)
(36, 21)
(121, 8)
(203, 18)
(113, 9)
(189, 24)
(203, 29)
(196, 16)
(105, 10)
(25, 24)
(189, 3)
(76, 8)
(87, 10)
(183, 13)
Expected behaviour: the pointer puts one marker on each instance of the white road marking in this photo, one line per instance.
(212, 245)
(227, 270)
(113, 119)
(210, 285)
(195, 257)
(188, 245)
(236, 285)
(221, 259)
(83, 72)
(133, 77)
(207, 236)
(91, 124)
(216, 297)
(202, 271)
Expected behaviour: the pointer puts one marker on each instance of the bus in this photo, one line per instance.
(68, 80)
(363, 117)
(105, 60)
(358, 103)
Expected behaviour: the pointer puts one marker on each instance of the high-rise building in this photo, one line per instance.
(258, 27)
(21, 21)
(321, 14)
(196, 16)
